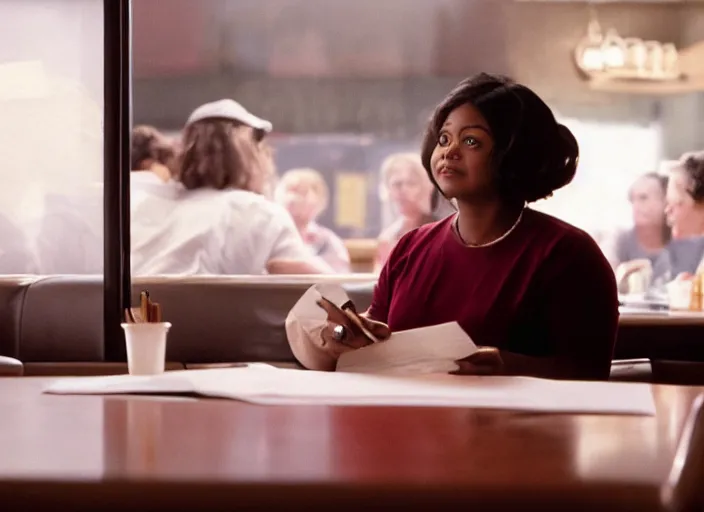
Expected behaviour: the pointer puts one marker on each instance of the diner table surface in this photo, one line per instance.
(151, 453)
(634, 317)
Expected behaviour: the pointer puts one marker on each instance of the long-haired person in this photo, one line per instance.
(215, 218)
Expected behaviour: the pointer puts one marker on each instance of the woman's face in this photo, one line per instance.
(683, 213)
(300, 200)
(461, 161)
(647, 202)
(409, 191)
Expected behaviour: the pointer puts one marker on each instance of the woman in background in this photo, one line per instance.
(407, 187)
(684, 254)
(214, 218)
(304, 193)
(685, 197)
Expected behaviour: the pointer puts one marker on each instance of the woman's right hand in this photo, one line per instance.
(353, 337)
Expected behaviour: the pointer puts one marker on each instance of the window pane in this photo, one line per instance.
(348, 84)
(51, 137)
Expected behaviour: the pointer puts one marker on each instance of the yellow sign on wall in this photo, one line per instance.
(351, 199)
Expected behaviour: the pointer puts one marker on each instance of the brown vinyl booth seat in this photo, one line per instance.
(54, 325)
(13, 290)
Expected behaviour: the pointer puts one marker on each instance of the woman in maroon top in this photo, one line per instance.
(534, 292)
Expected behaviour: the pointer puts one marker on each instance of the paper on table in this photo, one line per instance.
(261, 384)
(431, 349)
(170, 383)
(424, 350)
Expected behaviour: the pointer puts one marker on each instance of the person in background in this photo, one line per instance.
(535, 293)
(152, 152)
(685, 197)
(650, 232)
(685, 214)
(684, 208)
(405, 184)
(441, 206)
(304, 193)
(213, 217)
(638, 248)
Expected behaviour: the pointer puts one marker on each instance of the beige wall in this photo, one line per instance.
(348, 42)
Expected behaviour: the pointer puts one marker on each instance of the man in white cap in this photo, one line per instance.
(214, 218)
(230, 109)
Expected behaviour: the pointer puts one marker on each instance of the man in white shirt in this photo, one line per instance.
(213, 217)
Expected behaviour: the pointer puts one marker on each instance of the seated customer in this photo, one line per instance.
(684, 254)
(636, 249)
(534, 292)
(685, 213)
(152, 154)
(304, 193)
(405, 185)
(214, 218)
(685, 197)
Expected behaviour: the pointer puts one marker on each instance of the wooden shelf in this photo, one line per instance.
(691, 62)
(684, 86)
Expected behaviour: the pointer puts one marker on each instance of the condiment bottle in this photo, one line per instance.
(697, 295)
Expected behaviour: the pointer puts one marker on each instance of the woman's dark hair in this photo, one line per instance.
(693, 166)
(533, 154)
(220, 154)
(148, 143)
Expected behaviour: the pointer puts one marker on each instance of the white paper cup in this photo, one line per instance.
(679, 294)
(146, 347)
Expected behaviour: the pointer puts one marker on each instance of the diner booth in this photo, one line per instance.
(54, 325)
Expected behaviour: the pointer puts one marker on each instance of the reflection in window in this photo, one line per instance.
(51, 80)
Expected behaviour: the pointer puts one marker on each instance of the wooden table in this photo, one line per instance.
(661, 336)
(90, 452)
(664, 318)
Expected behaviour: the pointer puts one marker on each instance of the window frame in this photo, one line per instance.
(117, 122)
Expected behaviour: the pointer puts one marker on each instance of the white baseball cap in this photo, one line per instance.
(229, 109)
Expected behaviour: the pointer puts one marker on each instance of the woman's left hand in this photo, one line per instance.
(485, 361)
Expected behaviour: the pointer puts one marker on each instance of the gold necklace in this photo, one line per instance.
(495, 241)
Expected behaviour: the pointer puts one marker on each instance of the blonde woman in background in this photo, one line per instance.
(304, 193)
(404, 184)
(685, 214)
(214, 218)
